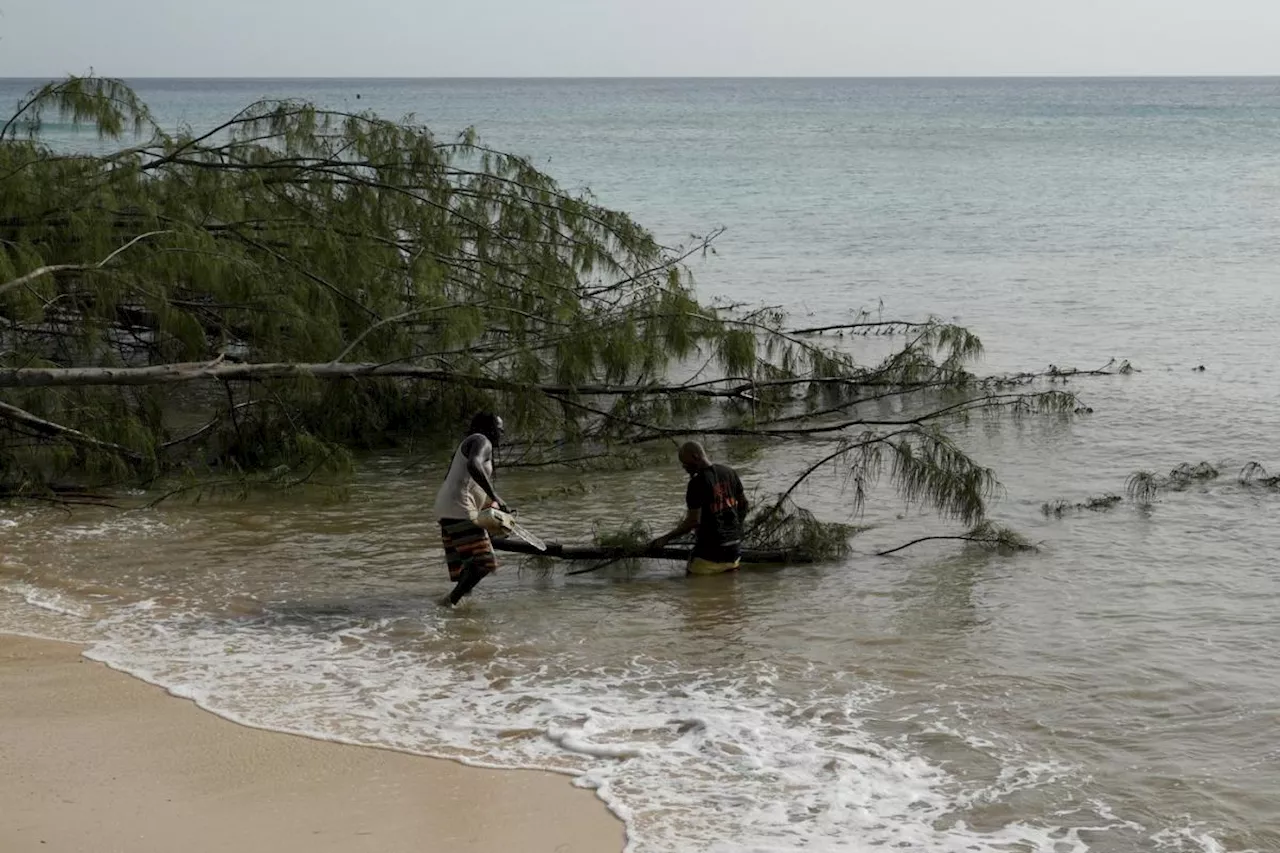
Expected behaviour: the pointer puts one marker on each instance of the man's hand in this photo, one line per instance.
(502, 505)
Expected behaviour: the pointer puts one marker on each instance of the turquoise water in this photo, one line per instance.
(1112, 692)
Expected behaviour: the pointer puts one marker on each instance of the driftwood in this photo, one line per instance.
(558, 551)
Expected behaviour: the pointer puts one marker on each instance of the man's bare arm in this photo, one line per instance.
(479, 450)
(691, 520)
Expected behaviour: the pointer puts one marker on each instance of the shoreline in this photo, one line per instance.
(97, 760)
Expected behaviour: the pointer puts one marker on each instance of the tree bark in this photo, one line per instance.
(50, 377)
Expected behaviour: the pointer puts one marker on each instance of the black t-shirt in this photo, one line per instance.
(717, 492)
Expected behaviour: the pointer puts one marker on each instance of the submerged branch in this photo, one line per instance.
(1098, 503)
(894, 325)
(59, 497)
(1143, 486)
(986, 535)
(1254, 474)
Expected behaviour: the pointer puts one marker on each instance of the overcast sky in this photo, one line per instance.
(486, 38)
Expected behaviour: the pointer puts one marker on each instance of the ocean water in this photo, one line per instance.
(1114, 691)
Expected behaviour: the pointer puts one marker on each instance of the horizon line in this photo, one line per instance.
(1008, 76)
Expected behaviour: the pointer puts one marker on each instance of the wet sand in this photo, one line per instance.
(95, 761)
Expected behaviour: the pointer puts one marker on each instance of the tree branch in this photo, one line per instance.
(994, 540)
(35, 377)
(36, 273)
(902, 324)
(72, 436)
(386, 321)
(210, 425)
(597, 552)
(284, 259)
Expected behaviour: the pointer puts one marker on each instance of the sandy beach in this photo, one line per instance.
(97, 762)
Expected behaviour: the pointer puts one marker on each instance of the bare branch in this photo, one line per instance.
(386, 321)
(72, 436)
(210, 425)
(36, 273)
(986, 535)
(898, 324)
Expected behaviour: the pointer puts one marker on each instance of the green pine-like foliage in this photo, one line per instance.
(293, 234)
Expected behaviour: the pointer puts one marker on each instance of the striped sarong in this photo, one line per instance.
(466, 543)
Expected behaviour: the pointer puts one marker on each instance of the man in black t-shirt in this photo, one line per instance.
(717, 507)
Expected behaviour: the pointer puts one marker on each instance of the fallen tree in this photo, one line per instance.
(277, 293)
(671, 552)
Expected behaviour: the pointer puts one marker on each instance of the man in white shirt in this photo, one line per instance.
(467, 491)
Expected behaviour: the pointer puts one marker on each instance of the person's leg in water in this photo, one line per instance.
(700, 566)
(471, 575)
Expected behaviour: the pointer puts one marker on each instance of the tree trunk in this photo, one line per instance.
(224, 371)
(597, 552)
